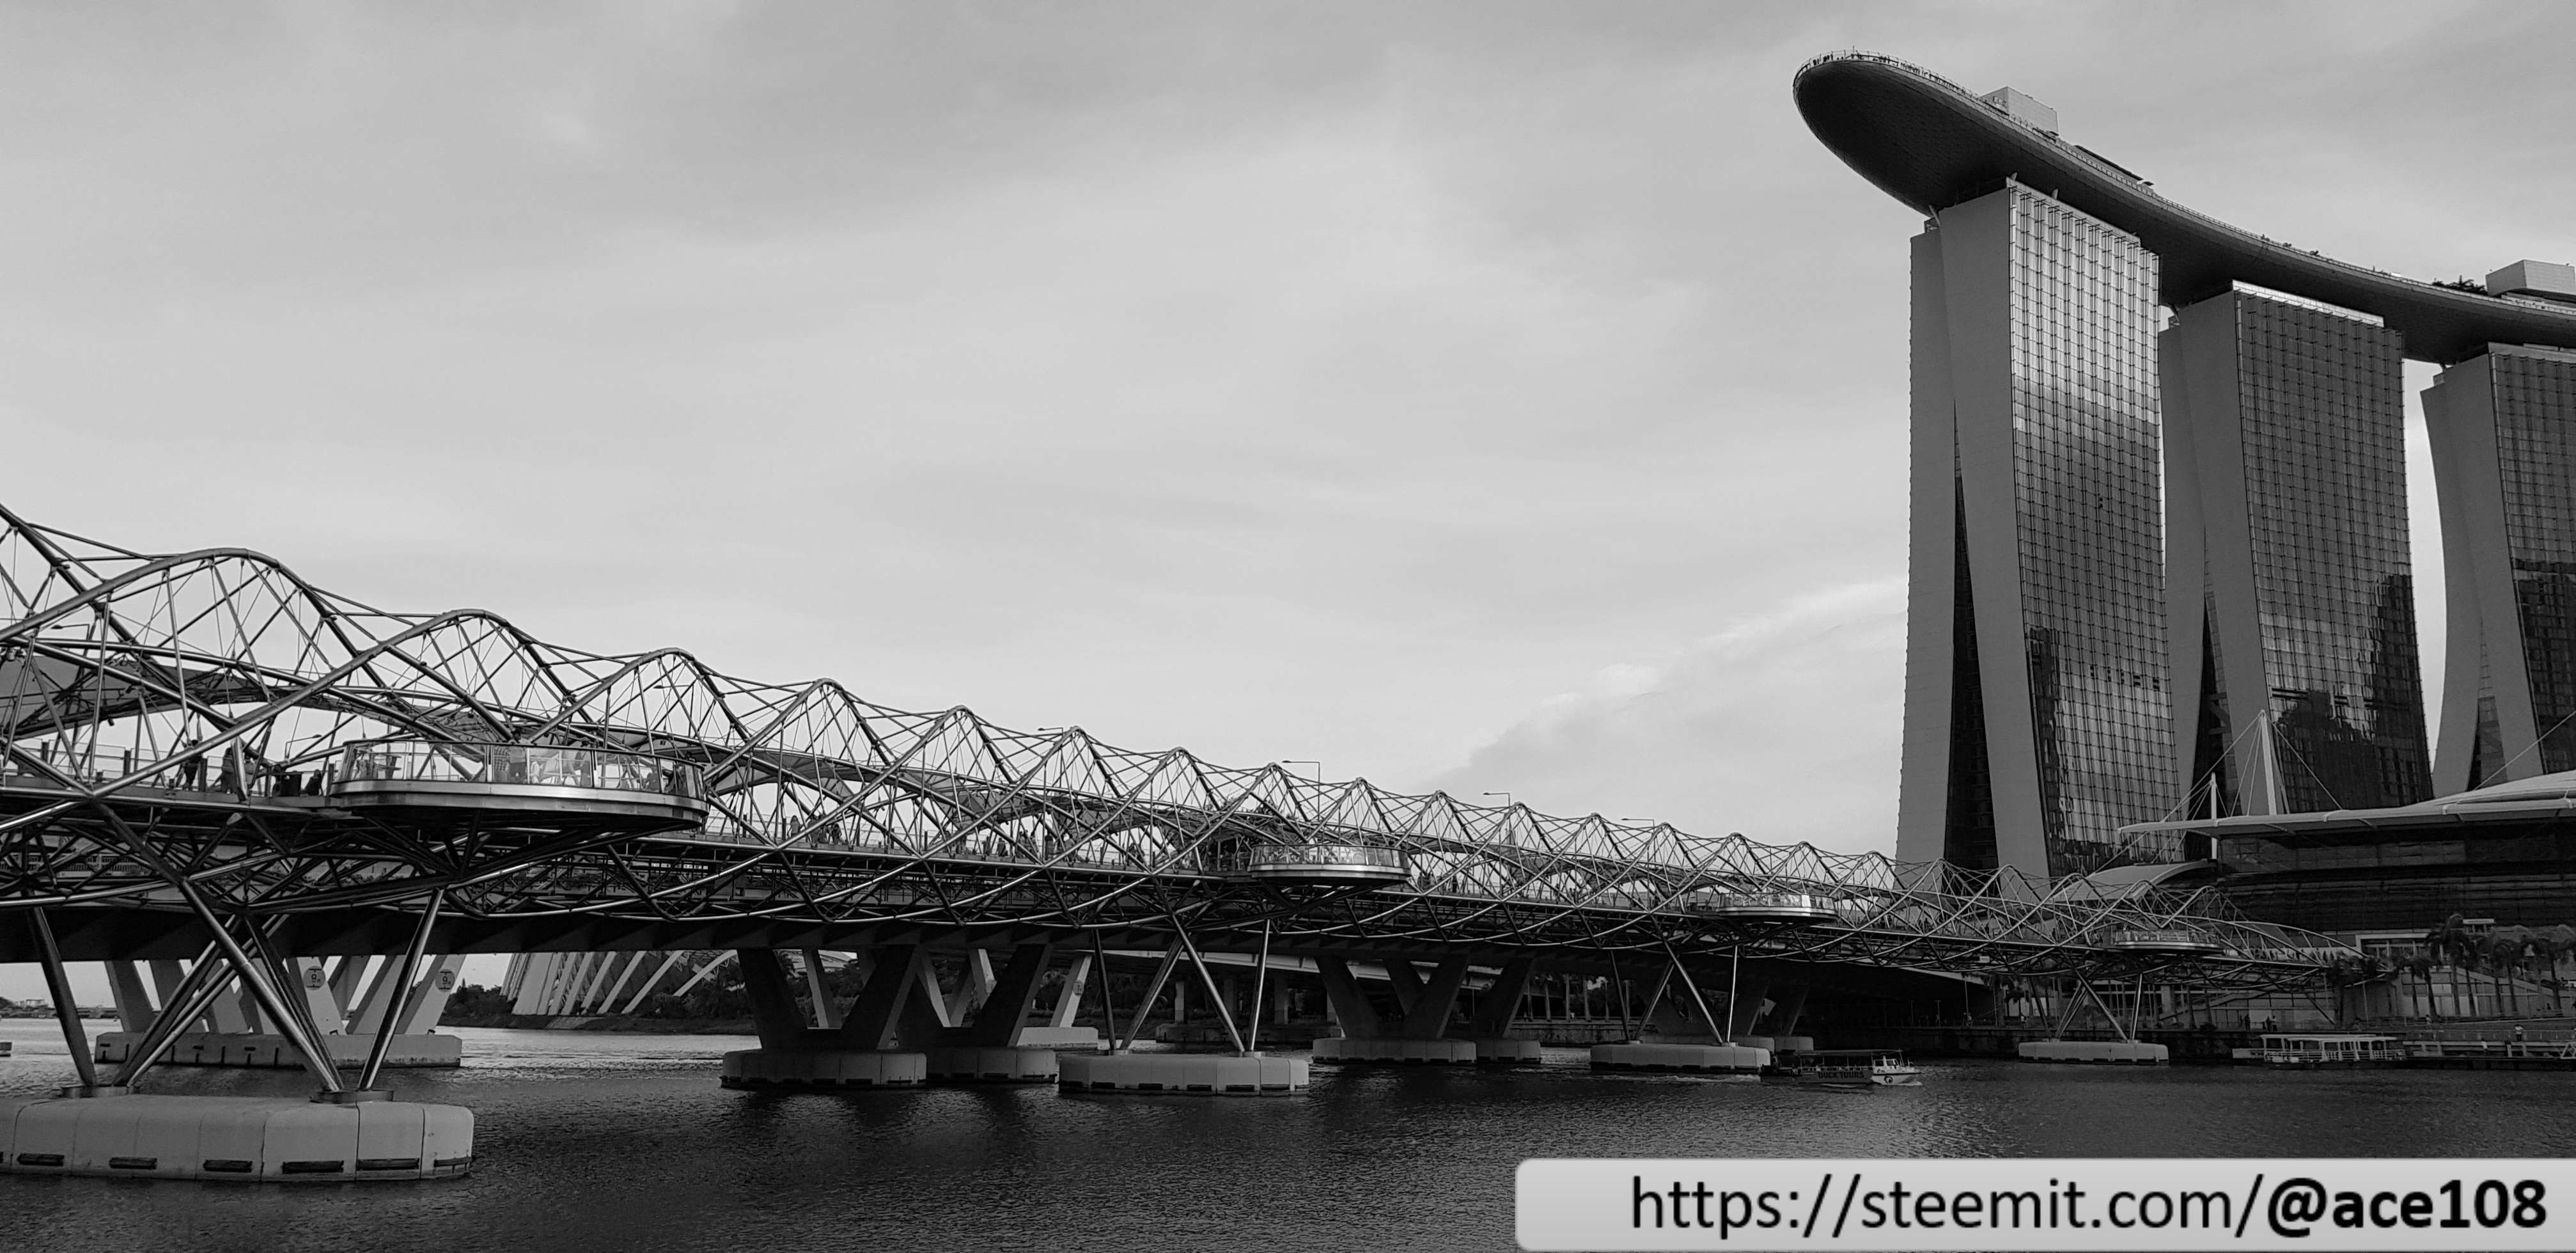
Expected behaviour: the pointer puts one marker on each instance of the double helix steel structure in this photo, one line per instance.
(204, 742)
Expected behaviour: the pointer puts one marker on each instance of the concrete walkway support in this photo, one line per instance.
(1342, 997)
(1711, 1053)
(101, 1127)
(862, 1051)
(1245, 1073)
(1490, 1029)
(902, 1029)
(1745, 1007)
(988, 1049)
(1418, 1040)
(345, 1021)
(1778, 1028)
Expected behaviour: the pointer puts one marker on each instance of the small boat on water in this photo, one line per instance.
(2312, 1052)
(1851, 1068)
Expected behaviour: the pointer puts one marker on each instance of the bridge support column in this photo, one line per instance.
(133, 1004)
(1746, 1008)
(104, 1129)
(1780, 1025)
(987, 1049)
(1342, 996)
(863, 1052)
(1418, 1039)
(1491, 1027)
(1715, 1056)
(1244, 1073)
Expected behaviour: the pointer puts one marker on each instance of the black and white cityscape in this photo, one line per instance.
(666, 626)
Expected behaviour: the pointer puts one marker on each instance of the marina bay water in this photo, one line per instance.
(599, 1141)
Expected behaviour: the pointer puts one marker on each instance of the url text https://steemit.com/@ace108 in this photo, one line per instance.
(2177, 1204)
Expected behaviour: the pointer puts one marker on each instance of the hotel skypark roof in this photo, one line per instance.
(1932, 144)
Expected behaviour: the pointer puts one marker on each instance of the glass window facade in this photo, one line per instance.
(2535, 430)
(2087, 467)
(2323, 593)
(2037, 720)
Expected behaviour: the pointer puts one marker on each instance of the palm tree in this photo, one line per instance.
(2557, 942)
(2456, 946)
(2508, 950)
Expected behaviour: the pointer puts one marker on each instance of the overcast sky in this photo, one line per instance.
(1491, 397)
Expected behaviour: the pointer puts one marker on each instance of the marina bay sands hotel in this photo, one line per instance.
(2160, 569)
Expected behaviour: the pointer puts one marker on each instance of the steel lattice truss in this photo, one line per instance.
(117, 666)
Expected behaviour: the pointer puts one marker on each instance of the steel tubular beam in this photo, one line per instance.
(1216, 996)
(1153, 989)
(401, 992)
(58, 985)
(182, 1007)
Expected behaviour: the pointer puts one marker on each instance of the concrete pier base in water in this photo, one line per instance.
(272, 1052)
(1346, 1051)
(1181, 1074)
(276, 1139)
(825, 1068)
(2096, 1052)
(965, 1063)
(1743, 1059)
(1059, 1038)
(1506, 1052)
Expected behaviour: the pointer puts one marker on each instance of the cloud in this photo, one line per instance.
(1783, 726)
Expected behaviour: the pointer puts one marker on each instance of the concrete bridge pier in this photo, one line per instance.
(990, 1047)
(1777, 1029)
(346, 1007)
(1490, 1029)
(877, 1043)
(1744, 1008)
(102, 1127)
(1119, 1072)
(1419, 1038)
(1715, 1049)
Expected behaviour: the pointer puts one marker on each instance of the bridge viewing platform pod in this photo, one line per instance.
(1324, 865)
(424, 779)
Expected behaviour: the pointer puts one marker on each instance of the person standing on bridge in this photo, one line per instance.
(192, 764)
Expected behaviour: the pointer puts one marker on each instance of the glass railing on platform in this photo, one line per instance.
(535, 765)
(1762, 907)
(2164, 941)
(1323, 863)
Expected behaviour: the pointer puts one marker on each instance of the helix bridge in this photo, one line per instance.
(204, 740)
